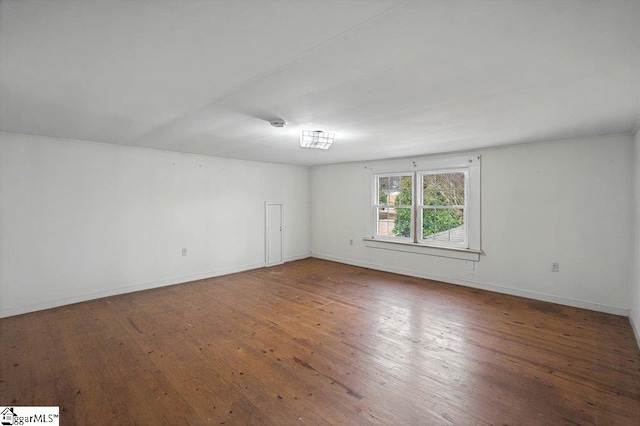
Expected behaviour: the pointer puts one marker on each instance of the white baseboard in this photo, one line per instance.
(634, 326)
(210, 274)
(7, 312)
(124, 289)
(483, 286)
(297, 257)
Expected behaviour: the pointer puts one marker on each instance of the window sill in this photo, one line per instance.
(450, 252)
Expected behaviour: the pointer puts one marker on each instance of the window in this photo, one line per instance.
(436, 205)
(443, 207)
(394, 209)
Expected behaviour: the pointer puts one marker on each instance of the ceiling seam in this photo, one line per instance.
(231, 91)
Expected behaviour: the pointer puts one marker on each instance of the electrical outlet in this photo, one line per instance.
(555, 267)
(350, 242)
(184, 251)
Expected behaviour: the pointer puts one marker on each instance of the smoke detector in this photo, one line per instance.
(278, 122)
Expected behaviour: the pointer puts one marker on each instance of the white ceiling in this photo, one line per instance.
(391, 78)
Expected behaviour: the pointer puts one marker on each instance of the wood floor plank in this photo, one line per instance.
(317, 342)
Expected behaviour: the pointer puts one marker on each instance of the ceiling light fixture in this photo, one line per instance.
(316, 139)
(278, 122)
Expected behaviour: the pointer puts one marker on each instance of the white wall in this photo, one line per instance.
(565, 201)
(81, 220)
(634, 314)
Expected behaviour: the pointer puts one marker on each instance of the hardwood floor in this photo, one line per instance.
(316, 342)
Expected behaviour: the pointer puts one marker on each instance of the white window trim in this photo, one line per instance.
(410, 247)
(471, 164)
(419, 207)
(377, 205)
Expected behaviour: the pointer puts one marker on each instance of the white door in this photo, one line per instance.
(274, 234)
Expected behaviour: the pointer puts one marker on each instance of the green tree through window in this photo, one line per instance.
(402, 225)
(433, 202)
(442, 201)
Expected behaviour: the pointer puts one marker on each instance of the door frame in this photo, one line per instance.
(266, 231)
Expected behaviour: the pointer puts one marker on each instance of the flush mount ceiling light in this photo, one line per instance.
(278, 122)
(316, 139)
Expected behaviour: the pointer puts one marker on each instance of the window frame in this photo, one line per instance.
(377, 205)
(419, 190)
(419, 168)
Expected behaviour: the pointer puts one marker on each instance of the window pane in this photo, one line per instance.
(402, 223)
(394, 222)
(404, 194)
(395, 190)
(383, 190)
(446, 189)
(386, 220)
(443, 225)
